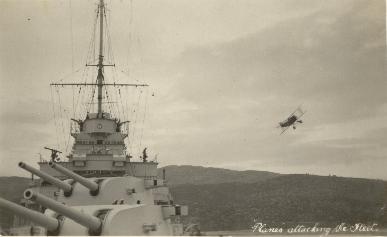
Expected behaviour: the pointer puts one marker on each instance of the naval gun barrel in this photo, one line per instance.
(93, 223)
(67, 188)
(50, 223)
(91, 185)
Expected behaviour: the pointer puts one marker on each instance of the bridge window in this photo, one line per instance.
(99, 142)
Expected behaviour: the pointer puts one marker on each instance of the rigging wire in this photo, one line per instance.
(108, 101)
(127, 118)
(54, 116)
(122, 106)
(136, 108)
(90, 58)
(134, 111)
(114, 71)
(72, 38)
(75, 108)
(73, 93)
(142, 76)
(67, 141)
(110, 59)
(61, 119)
(129, 76)
(92, 98)
(70, 74)
(144, 116)
(130, 34)
(69, 133)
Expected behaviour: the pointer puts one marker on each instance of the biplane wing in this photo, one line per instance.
(302, 112)
(298, 112)
(284, 129)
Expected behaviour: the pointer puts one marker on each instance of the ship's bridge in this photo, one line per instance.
(97, 137)
(104, 124)
(99, 150)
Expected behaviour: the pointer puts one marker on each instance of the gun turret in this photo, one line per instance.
(50, 223)
(92, 186)
(94, 224)
(67, 188)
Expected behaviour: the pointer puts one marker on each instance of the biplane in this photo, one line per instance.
(292, 120)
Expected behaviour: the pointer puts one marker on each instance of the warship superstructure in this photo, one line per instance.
(99, 190)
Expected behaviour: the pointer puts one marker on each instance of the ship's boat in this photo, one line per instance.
(99, 190)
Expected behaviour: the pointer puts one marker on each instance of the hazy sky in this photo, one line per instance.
(224, 73)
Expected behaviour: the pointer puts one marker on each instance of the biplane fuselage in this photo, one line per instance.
(289, 121)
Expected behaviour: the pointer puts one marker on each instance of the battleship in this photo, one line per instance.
(98, 190)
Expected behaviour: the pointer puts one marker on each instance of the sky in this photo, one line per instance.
(223, 74)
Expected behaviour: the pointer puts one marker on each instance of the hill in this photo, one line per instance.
(286, 199)
(187, 174)
(11, 188)
(230, 200)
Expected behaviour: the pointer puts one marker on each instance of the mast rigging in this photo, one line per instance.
(100, 76)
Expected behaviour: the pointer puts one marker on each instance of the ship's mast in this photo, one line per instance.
(100, 77)
(100, 60)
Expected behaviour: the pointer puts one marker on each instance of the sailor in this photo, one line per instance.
(80, 125)
(144, 155)
(54, 156)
